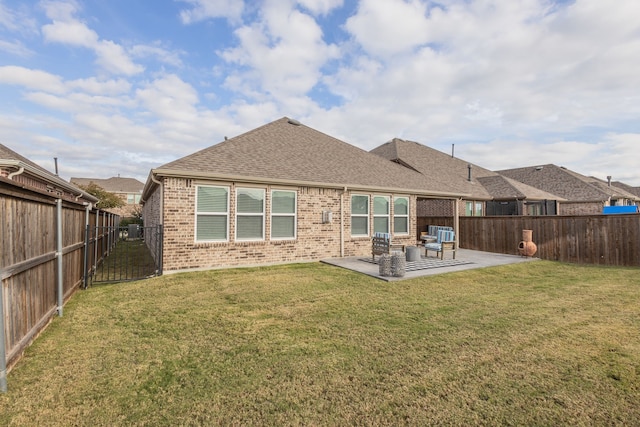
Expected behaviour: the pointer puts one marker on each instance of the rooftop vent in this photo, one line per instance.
(294, 122)
(539, 168)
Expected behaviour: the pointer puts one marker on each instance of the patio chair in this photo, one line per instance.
(381, 244)
(432, 230)
(445, 241)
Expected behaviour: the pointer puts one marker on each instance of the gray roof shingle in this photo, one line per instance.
(115, 184)
(484, 184)
(566, 183)
(287, 151)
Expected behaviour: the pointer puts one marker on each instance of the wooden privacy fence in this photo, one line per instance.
(590, 239)
(35, 264)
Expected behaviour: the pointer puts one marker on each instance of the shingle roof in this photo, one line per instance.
(115, 184)
(503, 188)
(287, 151)
(8, 154)
(627, 188)
(564, 182)
(484, 184)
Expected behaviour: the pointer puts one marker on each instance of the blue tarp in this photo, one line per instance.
(619, 210)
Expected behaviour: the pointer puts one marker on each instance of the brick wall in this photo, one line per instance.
(315, 240)
(436, 207)
(580, 208)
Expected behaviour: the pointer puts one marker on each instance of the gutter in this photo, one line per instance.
(261, 180)
(24, 167)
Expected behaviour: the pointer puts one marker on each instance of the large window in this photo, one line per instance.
(380, 214)
(283, 214)
(212, 213)
(250, 214)
(359, 215)
(401, 215)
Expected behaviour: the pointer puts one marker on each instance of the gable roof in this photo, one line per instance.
(12, 161)
(287, 152)
(566, 183)
(484, 184)
(628, 188)
(115, 184)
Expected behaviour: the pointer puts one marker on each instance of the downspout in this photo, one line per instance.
(3, 353)
(59, 256)
(16, 173)
(344, 190)
(86, 244)
(161, 198)
(456, 222)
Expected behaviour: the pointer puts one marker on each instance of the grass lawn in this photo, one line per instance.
(537, 343)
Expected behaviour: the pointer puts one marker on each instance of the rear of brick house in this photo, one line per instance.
(281, 193)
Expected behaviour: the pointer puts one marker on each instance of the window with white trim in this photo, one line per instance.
(212, 213)
(250, 214)
(400, 215)
(381, 214)
(283, 214)
(359, 215)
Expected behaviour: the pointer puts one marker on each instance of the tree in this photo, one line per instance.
(107, 199)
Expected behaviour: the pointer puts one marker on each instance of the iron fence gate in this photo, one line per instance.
(117, 254)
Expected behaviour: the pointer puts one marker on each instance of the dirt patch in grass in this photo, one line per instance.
(529, 344)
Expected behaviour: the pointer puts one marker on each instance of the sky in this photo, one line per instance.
(119, 87)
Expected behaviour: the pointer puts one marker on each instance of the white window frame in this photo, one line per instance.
(252, 214)
(366, 215)
(387, 215)
(197, 214)
(395, 232)
(294, 214)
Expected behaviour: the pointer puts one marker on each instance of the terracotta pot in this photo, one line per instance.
(527, 247)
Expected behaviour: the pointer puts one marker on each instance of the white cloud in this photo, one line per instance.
(320, 7)
(66, 29)
(386, 28)
(281, 56)
(32, 79)
(159, 53)
(16, 48)
(205, 9)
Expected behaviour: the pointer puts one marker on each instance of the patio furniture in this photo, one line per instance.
(432, 232)
(445, 241)
(381, 244)
(413, 253)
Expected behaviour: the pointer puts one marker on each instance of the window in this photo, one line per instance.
(250, 214)
(380, 214)
(401, 215)
(468, 211)
(359, 215)
(212, 213)
(133, 199)
(478, 211)
(283, 214)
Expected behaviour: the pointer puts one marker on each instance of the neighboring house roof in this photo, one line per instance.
(503, 188)
(483, 185)
(285, 151)
(113, 184)
(566, 183)
(627, 188)
(18, 164)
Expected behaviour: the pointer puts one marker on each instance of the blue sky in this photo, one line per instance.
(120, 87)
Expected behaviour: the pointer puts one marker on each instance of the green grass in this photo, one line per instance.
(308, 344)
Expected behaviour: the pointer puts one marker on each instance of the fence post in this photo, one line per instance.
(3, 352)
(59, 256)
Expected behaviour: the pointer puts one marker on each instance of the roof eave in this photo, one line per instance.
(52, 179)
(261, 180)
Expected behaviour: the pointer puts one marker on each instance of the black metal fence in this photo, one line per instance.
(118, 254)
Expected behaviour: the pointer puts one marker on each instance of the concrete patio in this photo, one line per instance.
(466, 260)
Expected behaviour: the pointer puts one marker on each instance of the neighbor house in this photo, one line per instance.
(129, 190)
(18, 172)
(583, 195)
(487, 192)
(283, 192)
